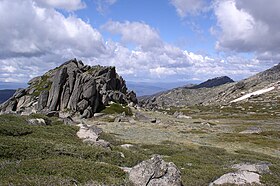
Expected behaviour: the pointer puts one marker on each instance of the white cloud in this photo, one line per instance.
(35, 39)
(134, 32)
(69, 5)
(248, 26)
(34, 31)
(185, 7)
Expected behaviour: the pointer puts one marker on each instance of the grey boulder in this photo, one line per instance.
(155, 172)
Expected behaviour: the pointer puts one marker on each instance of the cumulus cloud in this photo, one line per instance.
(69, 5)
(32, 37)
(35, 31)
(185, 7)
(134, 32)
(36, 38)
(248, 26)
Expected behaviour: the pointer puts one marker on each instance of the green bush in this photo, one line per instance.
(13, 126)
(116, 108)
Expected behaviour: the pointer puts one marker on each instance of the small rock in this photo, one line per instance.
(103, 143)
(246, 174)
(126, 169)
(98, 114)
(252, 130)
(37, 121)
(127, 146)
(121, 119)
(68, 121)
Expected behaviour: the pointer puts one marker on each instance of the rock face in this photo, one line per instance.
(73, 87)
(155, 172)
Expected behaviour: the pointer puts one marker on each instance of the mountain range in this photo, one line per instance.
(219, 91)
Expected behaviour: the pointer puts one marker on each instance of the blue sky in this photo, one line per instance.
(147, 40)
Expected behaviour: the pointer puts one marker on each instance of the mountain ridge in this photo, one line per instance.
(217, 95)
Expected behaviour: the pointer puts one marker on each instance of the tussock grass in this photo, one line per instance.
(54, 155)
(116, 108)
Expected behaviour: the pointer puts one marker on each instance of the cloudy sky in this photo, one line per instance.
(147, 40)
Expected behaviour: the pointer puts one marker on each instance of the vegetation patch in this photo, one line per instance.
(54, 155)
(116, 108)
(43, 84)
(256, 139)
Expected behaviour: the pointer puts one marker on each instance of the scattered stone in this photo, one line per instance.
(155, 172)
(238, 178)
(37, 121)
(90, 135)
(126, 169)
(121, 118)
(246, 174)
(87, 132)
(251, 130)
(181, 115)
(68, 121)
(98, 114)
(127, 146)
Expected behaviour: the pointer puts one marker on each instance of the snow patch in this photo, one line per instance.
(258, 92)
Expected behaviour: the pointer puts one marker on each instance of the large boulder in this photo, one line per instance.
(73, 87)
(155, 172)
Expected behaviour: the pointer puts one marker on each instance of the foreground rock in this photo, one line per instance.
(155, 172)
(248, 174)
(73, 87)
(90, 135)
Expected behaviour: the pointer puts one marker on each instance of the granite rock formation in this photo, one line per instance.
(73, 87)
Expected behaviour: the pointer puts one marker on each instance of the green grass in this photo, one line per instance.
(116, 108)
(264, 139)
(201, 165)
(53, 154)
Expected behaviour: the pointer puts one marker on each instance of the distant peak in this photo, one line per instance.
(217, 81)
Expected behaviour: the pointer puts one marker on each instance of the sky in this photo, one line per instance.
(147, 40)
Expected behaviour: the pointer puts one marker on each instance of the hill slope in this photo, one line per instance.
(217, 95)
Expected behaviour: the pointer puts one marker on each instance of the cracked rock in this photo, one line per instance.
(155, 172)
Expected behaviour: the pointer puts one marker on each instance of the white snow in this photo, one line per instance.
(258, 92)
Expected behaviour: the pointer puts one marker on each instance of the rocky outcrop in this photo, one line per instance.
(155, 171)
(73, 87)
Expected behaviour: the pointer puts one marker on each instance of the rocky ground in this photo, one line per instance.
(247, 133)
(198, 145)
